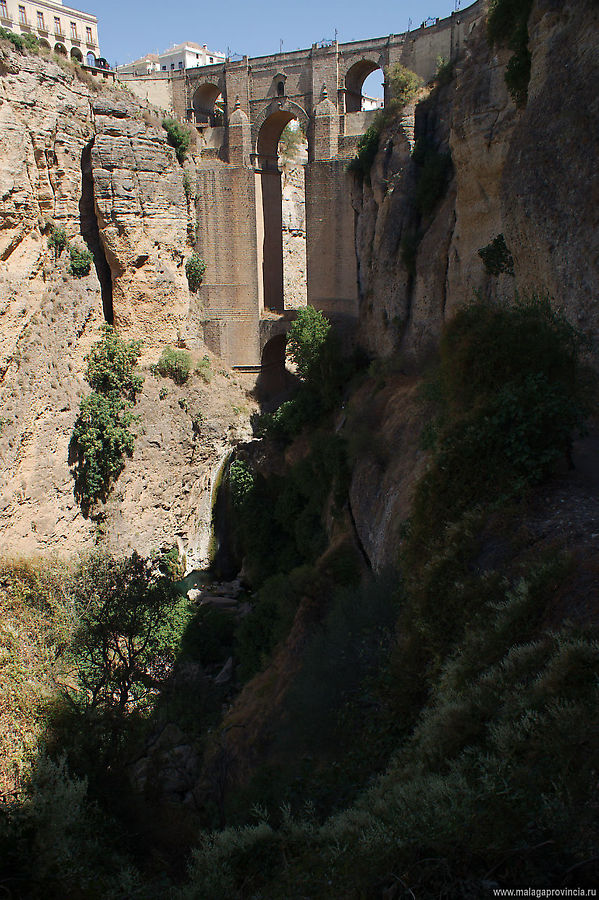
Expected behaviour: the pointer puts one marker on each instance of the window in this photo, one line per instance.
(57, 26)
(164, 68)
(172, 65)
(40, 21)
(180, 64)
(88, 35)
(74, 30)
(22, 15)
(211, 59)
(3, 9)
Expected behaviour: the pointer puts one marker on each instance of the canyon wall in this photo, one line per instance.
(529, 174)
(95, 161)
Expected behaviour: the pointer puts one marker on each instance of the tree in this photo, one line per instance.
(121, 636)
(102, 434)
(306, 341)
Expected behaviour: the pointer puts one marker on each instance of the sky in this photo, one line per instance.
(129, 29)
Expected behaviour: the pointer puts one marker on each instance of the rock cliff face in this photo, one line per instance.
(96, 162)
(525, 173)
(529, 174)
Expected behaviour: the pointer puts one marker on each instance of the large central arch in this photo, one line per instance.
(270, 127)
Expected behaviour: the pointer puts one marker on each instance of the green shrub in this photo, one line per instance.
(175, 364)
(368, 146)
(57, 240)
(20, 41)
(510, 391)
(496, 257)
(306, 340)
(195, 268)
(102, 434)
(80, 263)
(445, 71)
(178, 136)
(204, 370)
(507, 25)
(111, 366)
(403, 84)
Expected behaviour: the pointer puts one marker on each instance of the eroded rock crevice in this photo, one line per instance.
(90, 232)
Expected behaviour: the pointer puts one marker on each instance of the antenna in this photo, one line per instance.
(281, 45)
(410, 23)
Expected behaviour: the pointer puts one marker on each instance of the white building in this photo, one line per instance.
(60, 28)
(182, 56)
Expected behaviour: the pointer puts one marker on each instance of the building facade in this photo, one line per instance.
(188, 55)
(67, 31)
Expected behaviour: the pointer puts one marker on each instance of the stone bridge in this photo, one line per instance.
(240, 109)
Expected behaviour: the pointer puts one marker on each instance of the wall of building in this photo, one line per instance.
(82, 42)
(156, 89)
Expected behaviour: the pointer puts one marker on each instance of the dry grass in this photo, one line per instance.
(35, 619)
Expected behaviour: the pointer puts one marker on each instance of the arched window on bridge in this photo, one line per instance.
(364, 86)
(208, 105)
(282, 155)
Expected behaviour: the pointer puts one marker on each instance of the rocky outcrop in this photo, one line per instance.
(525, 173)
(94, 161)
(142, 216)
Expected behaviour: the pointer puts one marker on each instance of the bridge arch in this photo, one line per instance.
(270, 125)
(204, 104)
(354, 82)
(270, 122)
(273, 378)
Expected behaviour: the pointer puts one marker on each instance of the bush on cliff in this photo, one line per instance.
(80, 263)
(175, 364)
(195, 267)
(102, 434)
(178, 136)
(20, 41)
(507, 26)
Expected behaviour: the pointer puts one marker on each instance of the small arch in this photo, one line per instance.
(60, 49)
(280, 88)
(76, 54)
(273, 379)
(90, 59)
(102, 63)
(207, 105)
(354, 82)
(44, 44)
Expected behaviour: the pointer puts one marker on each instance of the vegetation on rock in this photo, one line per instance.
(507, 26)
(175, 364)
(57, 240)
(80, 262)
(178, 136)
(20, 41)
(496, 257)
(102, 435)
(195, 268)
